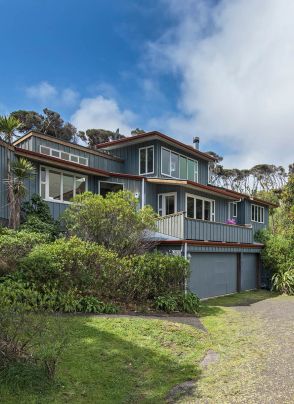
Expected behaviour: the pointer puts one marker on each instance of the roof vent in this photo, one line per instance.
(196, 142)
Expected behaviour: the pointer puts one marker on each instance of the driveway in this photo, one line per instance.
(256, 356)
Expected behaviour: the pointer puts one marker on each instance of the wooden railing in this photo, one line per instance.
(179, 226)
(172, 225)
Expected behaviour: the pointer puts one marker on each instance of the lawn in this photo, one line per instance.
(128, 360)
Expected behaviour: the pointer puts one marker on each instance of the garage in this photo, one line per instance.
(248, 271)
(214, 274)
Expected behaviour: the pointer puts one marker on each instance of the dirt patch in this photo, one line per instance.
(181, 391)
(210, 357)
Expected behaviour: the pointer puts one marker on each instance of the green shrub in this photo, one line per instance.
(283, 281)
(14, 245)
(185, 303)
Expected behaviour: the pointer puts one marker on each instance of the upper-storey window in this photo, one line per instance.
(233, 210)
(201, 208)
(60, 186)
(63, 155)
(257, 214)
(177, 166)
(146, 160)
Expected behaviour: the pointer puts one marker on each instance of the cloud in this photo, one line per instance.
(101, 112)
(45, 92)
(235, 63)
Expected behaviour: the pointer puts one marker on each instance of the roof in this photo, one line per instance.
(154, 135)
(70, 165)
(40, 135)
(211, 243)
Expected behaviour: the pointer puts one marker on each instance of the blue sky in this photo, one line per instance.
(221, 70)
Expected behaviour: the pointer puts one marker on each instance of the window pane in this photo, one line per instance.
(175, 165)
(235, 209)
(64, 156)
(80, 185)
(262, 215)
(74, 159)
(191, 170)
(258, 214)
(43, 175)
(160, 205)
(206, 210)
(68, 187)
(143, 161)
(198, 208)
(45, 150)
(196, 171)
(55, 153)
(106, 187)
(54, 184)
(190, 207)
(165, 161)
(150, 160)
(43, 195)
(252, 212)
(183, 168)
(169, 205)
(83, 161)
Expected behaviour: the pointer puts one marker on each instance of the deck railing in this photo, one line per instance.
(179, 226)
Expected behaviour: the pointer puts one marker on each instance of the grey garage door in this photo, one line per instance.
(248, 272)
(213, 274)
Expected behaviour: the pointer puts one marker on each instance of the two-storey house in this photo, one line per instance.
(174, 179)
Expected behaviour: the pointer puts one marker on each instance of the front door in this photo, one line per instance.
(167, 203)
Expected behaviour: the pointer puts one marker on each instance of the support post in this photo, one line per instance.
(239, 271)
(258, 271)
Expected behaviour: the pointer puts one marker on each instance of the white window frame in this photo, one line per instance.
(163, 195)
(196, 165)
(146, 160)
(254, 213)
(46, 183)
(110, 182)
(212, 207)
(70, 155)
(232, 207)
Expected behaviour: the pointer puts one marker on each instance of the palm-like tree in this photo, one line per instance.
(8, 127)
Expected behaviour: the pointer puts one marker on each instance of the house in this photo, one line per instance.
(172, 177)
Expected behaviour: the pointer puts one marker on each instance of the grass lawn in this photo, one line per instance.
(123, 360)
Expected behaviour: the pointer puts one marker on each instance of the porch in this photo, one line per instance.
(179, 226)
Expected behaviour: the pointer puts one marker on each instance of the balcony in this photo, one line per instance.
(179, 226)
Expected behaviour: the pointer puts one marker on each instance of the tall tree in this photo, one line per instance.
(137, 131)
(95, 136)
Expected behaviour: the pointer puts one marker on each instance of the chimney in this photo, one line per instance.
(196, 142)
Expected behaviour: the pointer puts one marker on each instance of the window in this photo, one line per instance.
(167, 204)
(257, 214)
(178, 166)
(233, 210)
(146, 160)
(200, 208)
(105, 187)
(60, 186)
(63, 155)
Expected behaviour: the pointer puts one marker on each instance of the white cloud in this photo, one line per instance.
(235, 61)
(45, 92)
(101, 112)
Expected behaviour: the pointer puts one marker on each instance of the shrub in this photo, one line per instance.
(186, 303)
(283, 281)
(14, 245)
(114, 221)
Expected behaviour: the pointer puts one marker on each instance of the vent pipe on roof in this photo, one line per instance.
(196, 142)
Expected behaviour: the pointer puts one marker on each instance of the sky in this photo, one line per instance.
(222, 70)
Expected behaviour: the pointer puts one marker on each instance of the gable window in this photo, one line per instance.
(200, 208)
(60, 186)
(177, 166)
(167, 203)
(257, 214)
(233, 210)
(63, 155)
(105, 187)
(146, 160)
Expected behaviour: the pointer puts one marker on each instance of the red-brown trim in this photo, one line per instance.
(210, 243)
(213, 189)
(77, 167)
(6, 145)
(160, 135)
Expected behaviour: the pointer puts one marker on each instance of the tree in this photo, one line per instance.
(137, 131)
(113, 221)
(21, 170)
(96, 136)
(8, 127)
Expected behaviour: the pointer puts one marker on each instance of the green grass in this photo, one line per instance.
(123, 360)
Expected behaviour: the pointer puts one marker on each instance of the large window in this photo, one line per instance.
(63, 155)
(177, 166)
(105, 187)
(146, 160)
(257, 214)
(200, 208)
(167, 203)
(60, 186)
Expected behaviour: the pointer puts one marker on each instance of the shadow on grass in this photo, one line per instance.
(102, 366)
(240, 299)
